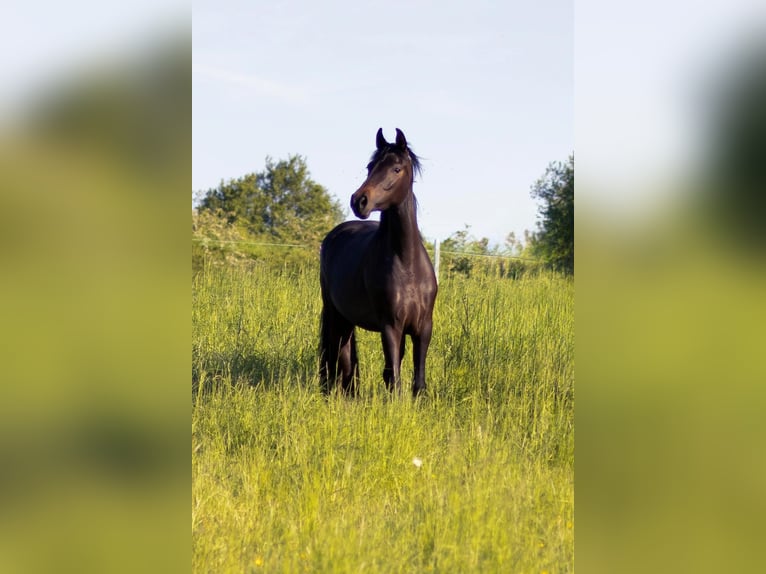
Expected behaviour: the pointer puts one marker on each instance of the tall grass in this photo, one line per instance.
(285, 480)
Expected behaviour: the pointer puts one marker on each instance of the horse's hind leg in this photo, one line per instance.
(349, 364)
(337, 351)
(329, 344)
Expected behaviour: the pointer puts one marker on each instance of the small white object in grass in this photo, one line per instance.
(417, 462)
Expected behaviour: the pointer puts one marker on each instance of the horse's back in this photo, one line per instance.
(350, 229)
(346, 242)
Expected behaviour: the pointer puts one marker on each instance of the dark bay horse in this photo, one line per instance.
(378, 275)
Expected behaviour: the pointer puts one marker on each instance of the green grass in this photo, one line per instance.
(285, 480)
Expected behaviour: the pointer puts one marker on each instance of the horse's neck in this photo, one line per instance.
(399, 227)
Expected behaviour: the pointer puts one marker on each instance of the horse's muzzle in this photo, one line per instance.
(359, 205)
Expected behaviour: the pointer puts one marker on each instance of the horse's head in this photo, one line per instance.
(390, 174)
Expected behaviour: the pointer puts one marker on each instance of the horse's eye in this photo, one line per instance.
(397, 169)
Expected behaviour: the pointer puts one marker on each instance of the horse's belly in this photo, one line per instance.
(357, 310)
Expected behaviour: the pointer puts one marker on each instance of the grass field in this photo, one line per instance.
(475, 477)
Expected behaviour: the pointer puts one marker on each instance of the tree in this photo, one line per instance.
(281, 202)
(463, 242)
(734, 175)
(515, 247)
(554, 240)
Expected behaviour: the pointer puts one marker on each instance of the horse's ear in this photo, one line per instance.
(380, 141)
(401, 141)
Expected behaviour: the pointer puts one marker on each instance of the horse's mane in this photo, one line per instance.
(380, 153)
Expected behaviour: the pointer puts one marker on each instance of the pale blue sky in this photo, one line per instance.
(482, 89)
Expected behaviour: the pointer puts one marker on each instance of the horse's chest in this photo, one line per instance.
(402, 294)
(406, 301)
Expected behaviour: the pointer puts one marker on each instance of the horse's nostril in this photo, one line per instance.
(363, 202)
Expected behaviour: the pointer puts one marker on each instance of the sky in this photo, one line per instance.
(483, 91)
(647, 78)
(73, 37)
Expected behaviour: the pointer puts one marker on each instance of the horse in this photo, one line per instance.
(377, 275)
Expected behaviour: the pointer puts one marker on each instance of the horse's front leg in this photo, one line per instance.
(392, 343)
(420, 342)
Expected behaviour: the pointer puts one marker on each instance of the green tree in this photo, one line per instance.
(554, 240)
(282, 202)
(461, 242)
(734, 175)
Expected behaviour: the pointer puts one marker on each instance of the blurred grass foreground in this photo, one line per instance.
(670, 337)
(93, 418)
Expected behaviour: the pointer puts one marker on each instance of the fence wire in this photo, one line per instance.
(206, 241)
